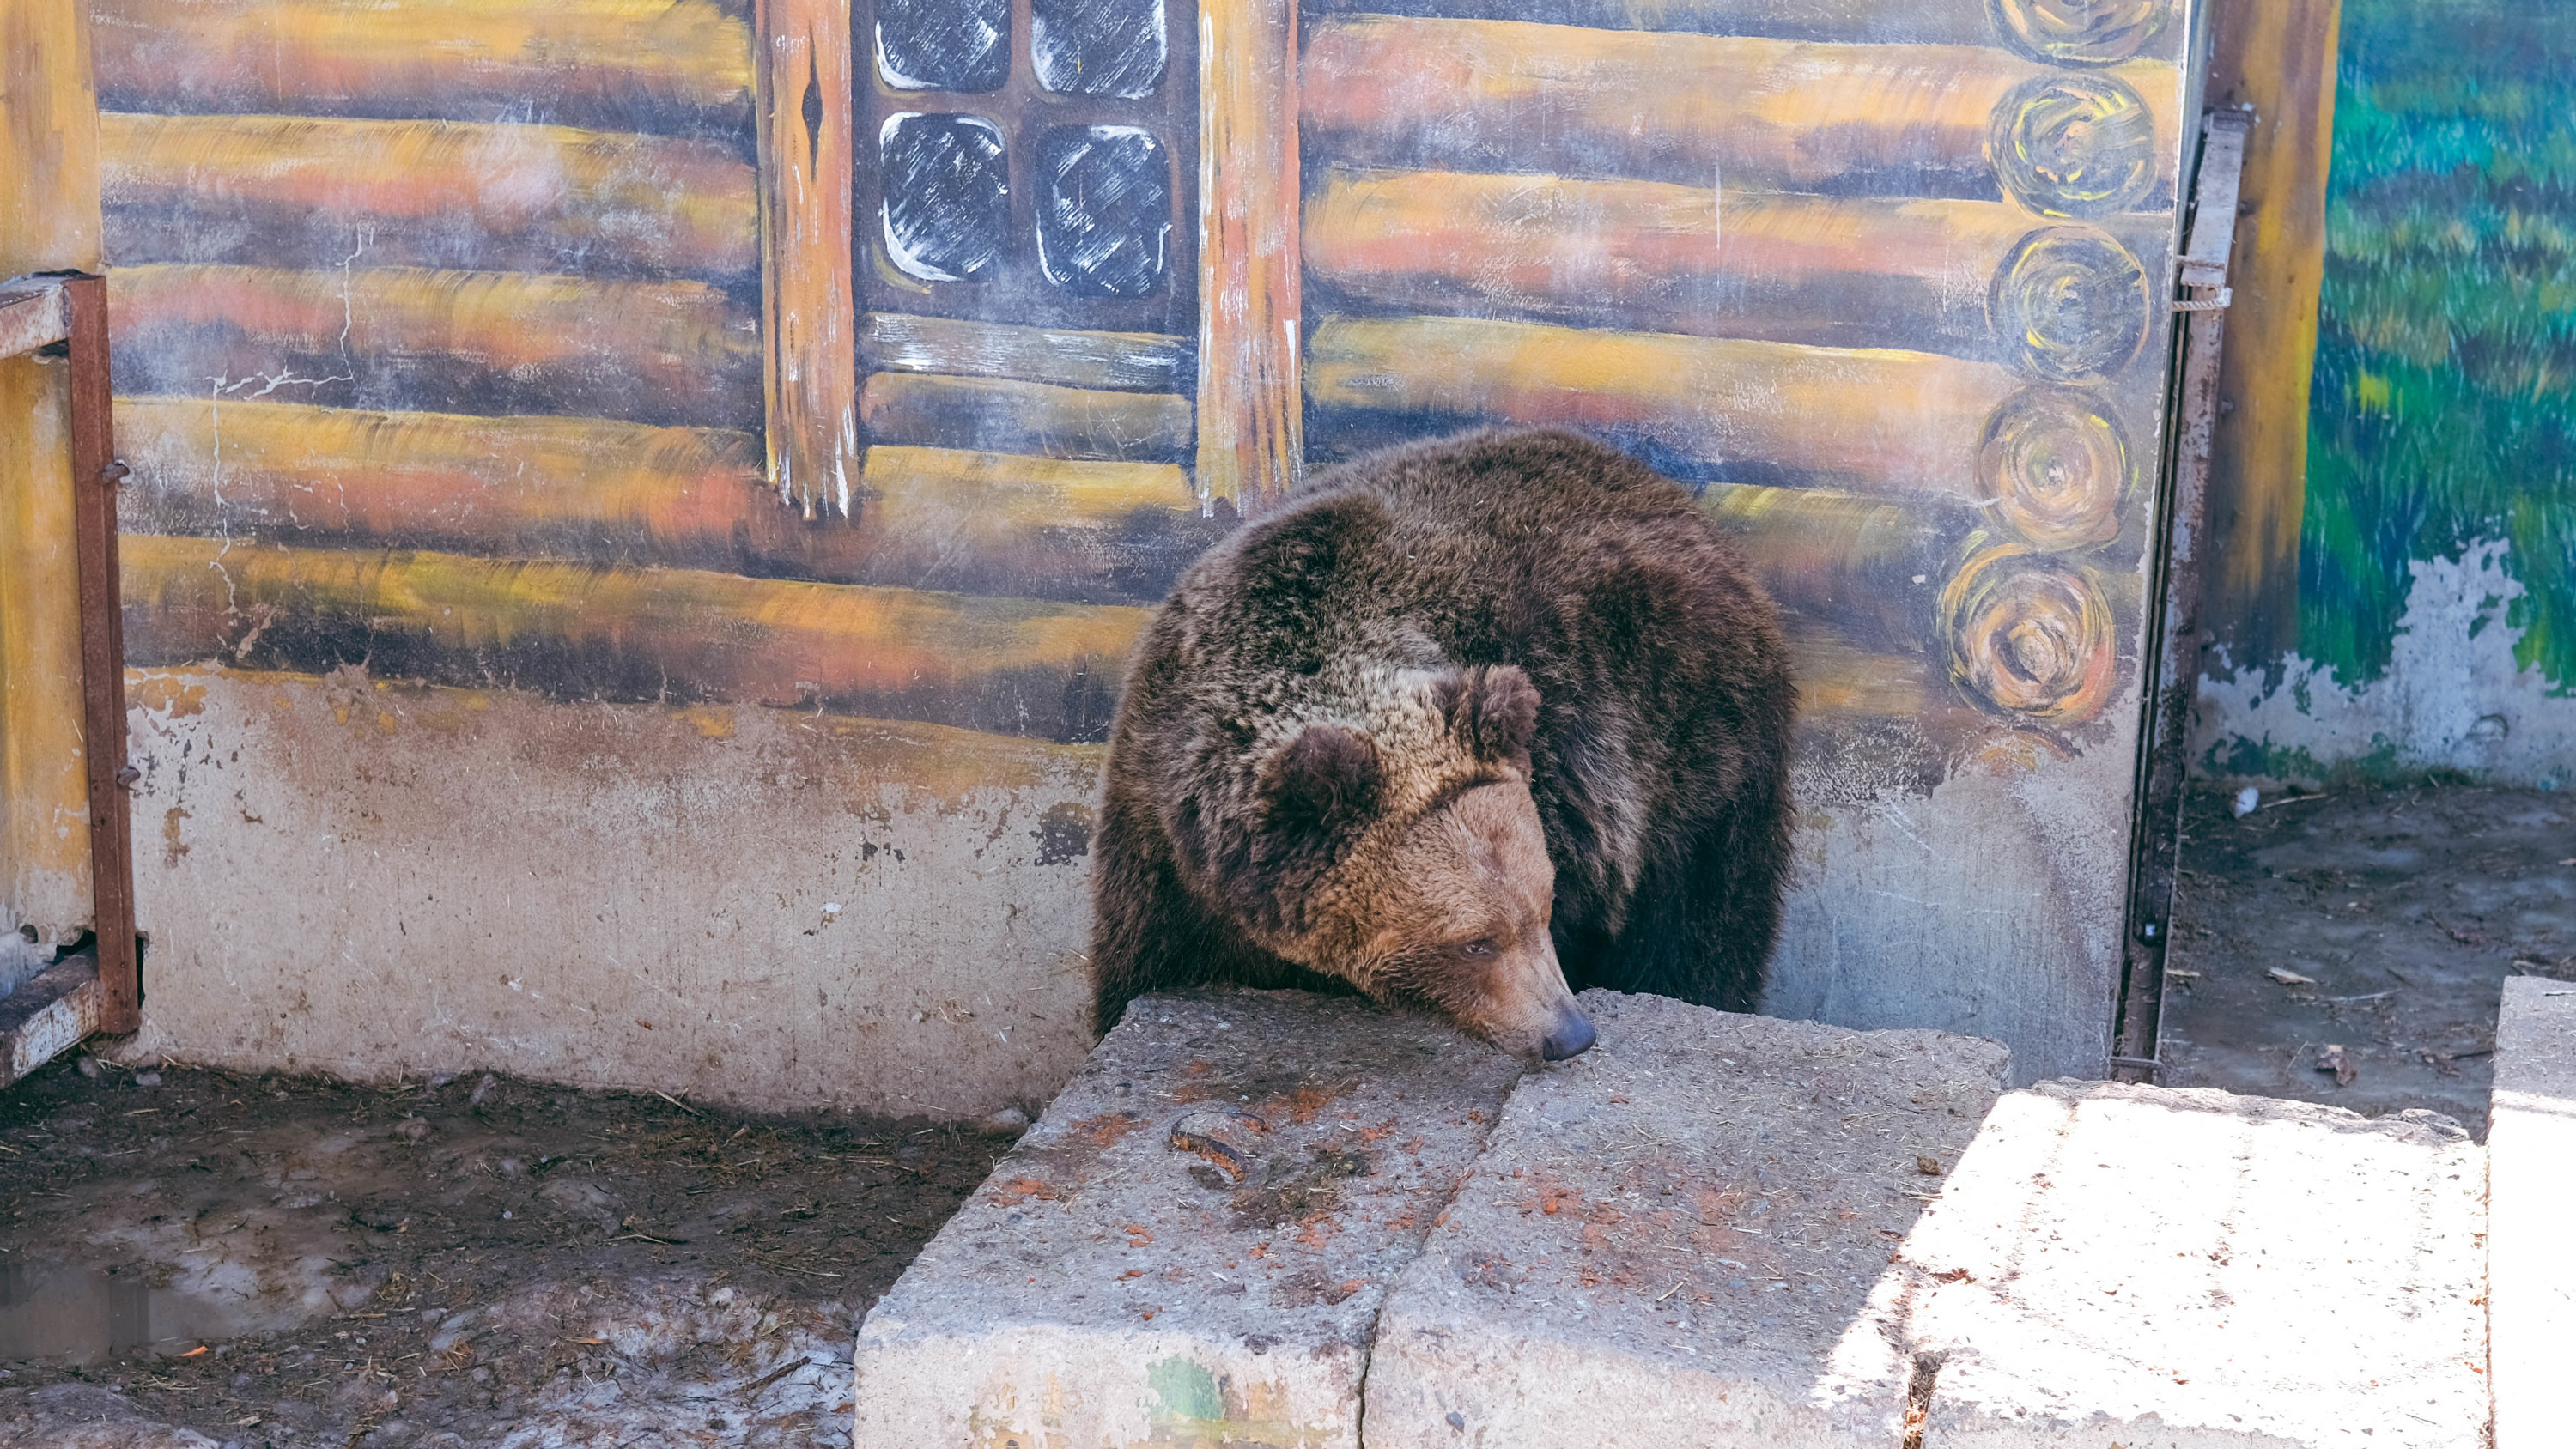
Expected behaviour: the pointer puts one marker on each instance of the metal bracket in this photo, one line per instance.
(2174, 609)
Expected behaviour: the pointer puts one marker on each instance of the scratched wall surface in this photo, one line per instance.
(2436, 600)
(441, 366)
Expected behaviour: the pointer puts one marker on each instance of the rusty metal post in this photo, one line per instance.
(95, 472)
(2164, 743)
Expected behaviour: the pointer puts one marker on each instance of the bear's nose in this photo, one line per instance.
(1572, 1036)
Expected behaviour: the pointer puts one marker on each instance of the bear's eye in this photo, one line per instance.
(1482, 946)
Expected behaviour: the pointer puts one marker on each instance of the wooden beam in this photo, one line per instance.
(1118, 361)
(49, 220)
(665, 66)
(808, 298)
(1250, 441)
(1889, 120)
(1968, 278)
(2052, 464)
(1003, 415)
(95, 474)
(1013, 666)
(2279, 59)
(294, 191)
(411, 339)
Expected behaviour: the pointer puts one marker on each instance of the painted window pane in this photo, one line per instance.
(947, 195)
(944, 45)
(1104, 209)
(1098, 47)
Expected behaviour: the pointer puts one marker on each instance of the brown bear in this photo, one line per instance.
(1468, 725)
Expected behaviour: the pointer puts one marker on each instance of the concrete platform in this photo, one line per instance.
(2191, 1269)
(1194, 1242)
(2531, 1181)
(1672, 1240)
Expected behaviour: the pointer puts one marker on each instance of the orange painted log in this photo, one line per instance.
(2065, 32)
(605, 491)
(493, 343)
(1970, 279)
(2051, 464)
(584, 484)
(1909, 120)
(282, 190)
(625, 65)
(1015, 666)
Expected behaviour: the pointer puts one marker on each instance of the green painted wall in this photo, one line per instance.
(2444, 410)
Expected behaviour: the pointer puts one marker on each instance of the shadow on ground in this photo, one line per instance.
(2380, 921)
(272, 1262)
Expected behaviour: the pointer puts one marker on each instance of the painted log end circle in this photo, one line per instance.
(2079, 32)
(2078, 144)
(2071, 303)
(2054, 466)
(2030, 636)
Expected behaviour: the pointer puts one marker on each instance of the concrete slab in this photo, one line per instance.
(1194, 1242)
(1671, 1241)
(2191, 1269)
(2531, 1179)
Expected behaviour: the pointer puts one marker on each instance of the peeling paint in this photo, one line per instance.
(2453, 697)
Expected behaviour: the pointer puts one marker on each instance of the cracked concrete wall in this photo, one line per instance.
(770, 909)
(2454, 697)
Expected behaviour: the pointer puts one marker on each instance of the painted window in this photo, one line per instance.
(1031, 161)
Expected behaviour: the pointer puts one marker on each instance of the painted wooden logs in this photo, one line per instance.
(2052, 465)
(1971, 279)
(2074, 32)
(1911, 120)
(294, 191)
(653, 66)
(663, 352)
(2022, 634)
(1011, 666)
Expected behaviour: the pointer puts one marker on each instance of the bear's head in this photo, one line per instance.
(1399, 849)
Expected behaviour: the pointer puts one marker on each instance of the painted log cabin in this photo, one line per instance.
(651, 498)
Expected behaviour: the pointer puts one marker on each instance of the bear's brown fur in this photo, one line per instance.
(1468, 725)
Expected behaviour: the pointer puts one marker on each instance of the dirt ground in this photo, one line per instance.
(2382, 922)
(191, 1258)
(275, 1262)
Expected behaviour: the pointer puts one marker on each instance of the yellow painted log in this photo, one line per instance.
(440, 341)
(1117, 361)
(1007, 416)
(435, 477)
(295, 191)
(594, 489)
(1916, 120)
(2030, 636)
(1250, 427)
(643, 65)
(939, 497)
(2280, 59)
(2079, 32)
(810, 378)
(703, 635)
(2052, 464)
(2023, 635)
(49, 218)
(1968, 278)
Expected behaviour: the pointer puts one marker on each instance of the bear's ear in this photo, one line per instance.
(1327, 777)
(1492, 711)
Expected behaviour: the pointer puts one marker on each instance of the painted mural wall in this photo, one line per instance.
(619, 598)
(2436, 593)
